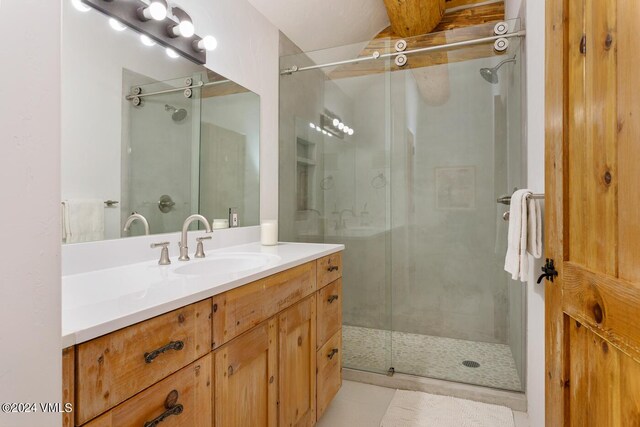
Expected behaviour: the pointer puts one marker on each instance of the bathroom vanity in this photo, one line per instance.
(255, 347)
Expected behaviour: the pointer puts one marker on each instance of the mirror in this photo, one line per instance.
(191, 145)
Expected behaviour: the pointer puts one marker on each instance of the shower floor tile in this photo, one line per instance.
(429, 356)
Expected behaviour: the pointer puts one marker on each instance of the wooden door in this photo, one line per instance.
(297, 364)
(593, 213)
(246, 372)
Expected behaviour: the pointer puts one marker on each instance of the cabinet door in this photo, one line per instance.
(297, 364)
(246, 369)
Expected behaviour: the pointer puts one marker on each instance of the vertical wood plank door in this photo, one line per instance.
(593, 212)
(246, 379)
(297, 364)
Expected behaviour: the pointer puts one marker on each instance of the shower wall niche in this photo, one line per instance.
(412, 195)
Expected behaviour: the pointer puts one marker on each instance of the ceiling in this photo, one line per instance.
(320, 24)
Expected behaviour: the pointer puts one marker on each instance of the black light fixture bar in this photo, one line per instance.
(126, 12)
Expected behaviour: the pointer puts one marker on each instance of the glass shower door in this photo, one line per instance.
(456, 148)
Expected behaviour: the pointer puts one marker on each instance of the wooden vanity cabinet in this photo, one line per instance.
(265, 354)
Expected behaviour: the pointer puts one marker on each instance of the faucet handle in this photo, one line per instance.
(164, 253)
(200, 247)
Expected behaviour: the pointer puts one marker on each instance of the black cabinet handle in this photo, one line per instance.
(333, 268)
(332, 353)
(332, 298)
(175, 410)
(173, 345)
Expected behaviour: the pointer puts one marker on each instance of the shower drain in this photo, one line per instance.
(471, 364)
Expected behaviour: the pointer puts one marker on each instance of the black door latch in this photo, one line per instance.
(548, 271)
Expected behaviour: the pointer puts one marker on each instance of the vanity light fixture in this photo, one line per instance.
(157, 10)
(150, 19)
(184, 27)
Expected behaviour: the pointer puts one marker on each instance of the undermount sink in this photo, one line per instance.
(227, 263)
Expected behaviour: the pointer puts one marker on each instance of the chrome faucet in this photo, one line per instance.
(136, 216)
(184, 249)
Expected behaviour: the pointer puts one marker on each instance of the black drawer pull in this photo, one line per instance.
(332, 298)
(173, 345)
(175, 410)
(332, 353)
(333, 268)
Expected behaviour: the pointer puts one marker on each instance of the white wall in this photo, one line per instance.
(30, 361)
(532, 14)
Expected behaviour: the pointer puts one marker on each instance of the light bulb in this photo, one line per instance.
(345, 129)
(336, 122)
(116, 25)
(156, 10)
(80, 6)
(146, 40)
(350, 131)
(208, 43)
(340, 125)
(312, 126)
(318, 128)
(330, 135)
(324, 131)
(171, 53)
(186, 28)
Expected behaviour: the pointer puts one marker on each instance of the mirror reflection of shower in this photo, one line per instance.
(379, 181)
(177, 115)
(491, 74)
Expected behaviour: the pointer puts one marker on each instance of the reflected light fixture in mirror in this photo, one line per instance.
(146, 40)
(116, 25)
(80, 6)
(172, 53)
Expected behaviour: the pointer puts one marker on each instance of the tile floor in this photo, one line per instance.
(429, 356)
(364, 405)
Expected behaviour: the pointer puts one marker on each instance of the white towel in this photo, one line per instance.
(525, 235)
(82, 220)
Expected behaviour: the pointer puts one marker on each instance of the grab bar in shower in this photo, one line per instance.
(506, 200)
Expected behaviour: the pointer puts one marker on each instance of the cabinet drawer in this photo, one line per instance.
(183, 399)
(329, 312)
(329, 380)
(329, 269)
(240, 309)
(114, 367)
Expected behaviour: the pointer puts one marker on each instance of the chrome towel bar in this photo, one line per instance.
(506, 200)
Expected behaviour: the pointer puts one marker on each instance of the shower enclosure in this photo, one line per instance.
(403, 164)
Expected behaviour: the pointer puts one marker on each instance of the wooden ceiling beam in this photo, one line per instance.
(413, 17)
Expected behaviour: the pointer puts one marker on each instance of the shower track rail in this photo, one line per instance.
(377, 55)
(176, 89)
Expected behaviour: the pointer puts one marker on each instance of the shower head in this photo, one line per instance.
(491, 74)
(176, 114)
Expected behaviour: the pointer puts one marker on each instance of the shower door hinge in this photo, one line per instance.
(583, 44)
(391, 371)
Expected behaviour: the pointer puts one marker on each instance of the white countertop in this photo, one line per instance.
(98, 302)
